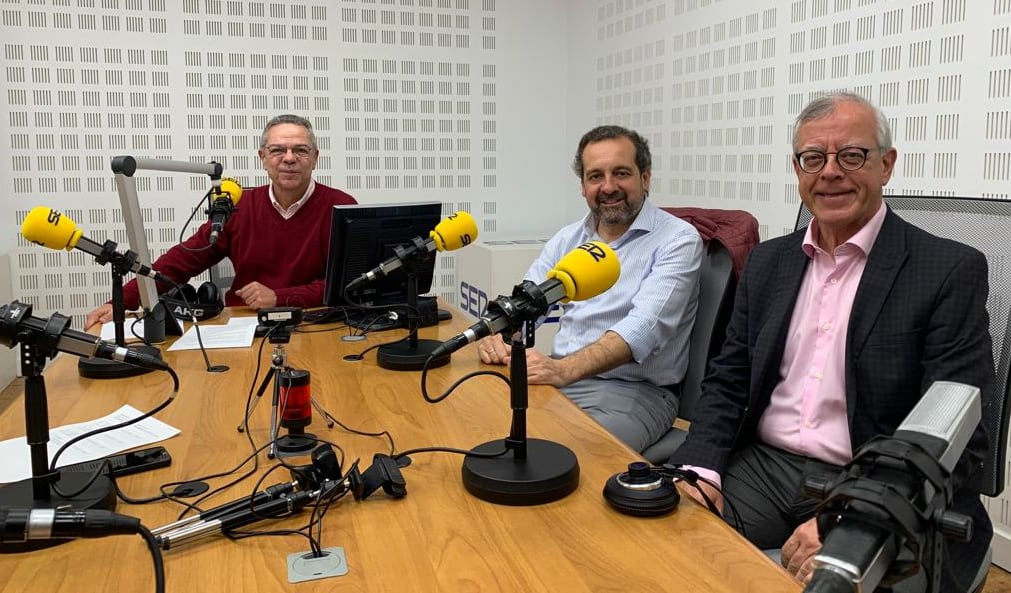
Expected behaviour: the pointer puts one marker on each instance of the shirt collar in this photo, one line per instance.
(291, 210)
(862, 240)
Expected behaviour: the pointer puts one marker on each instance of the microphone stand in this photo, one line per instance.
(38, 491)
(517, 470)
(411, 356)
(98, 368)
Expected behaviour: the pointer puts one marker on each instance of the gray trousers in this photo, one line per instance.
(636, 412)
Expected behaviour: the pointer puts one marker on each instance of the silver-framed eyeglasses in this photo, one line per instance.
(850, 158)
(301, 151)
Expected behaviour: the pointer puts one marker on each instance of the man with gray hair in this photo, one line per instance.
(836, 333)
(278, 237)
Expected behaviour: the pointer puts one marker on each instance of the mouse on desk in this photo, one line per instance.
(445, 315)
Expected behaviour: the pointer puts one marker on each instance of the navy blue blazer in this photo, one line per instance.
(919, 316)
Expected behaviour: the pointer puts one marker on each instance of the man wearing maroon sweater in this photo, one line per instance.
(278, 237)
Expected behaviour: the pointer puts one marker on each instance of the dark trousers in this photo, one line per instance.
(765, 486)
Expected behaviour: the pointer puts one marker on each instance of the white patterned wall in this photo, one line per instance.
(405, 96)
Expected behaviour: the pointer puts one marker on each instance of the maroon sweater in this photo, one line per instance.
(287, 256)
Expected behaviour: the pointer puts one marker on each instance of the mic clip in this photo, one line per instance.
(384, 473)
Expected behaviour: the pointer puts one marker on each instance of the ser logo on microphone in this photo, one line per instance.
(465, 238)
(595, 250)
(54, 217)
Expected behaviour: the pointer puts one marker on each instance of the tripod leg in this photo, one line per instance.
(256, 399)
(322, 411)
(274, 415)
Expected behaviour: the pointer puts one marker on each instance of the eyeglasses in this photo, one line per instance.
(301, 151)
(848, 159)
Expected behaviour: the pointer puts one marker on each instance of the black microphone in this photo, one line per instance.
(52, 229)
(581, 274)
(881, 489)
(18, 325)
(21, 525)
(225, 202)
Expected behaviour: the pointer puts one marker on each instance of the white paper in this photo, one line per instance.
(17, 457)
(108, 332)
(233, 335)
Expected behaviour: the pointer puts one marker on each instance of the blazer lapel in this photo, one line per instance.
(886, 259)
(792, 262)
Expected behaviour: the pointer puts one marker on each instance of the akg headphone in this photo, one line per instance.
(186, 302)
(641, 491)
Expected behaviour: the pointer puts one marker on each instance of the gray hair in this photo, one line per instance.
(826, 105)
(289, 118)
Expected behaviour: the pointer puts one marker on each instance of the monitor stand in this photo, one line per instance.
(412, 354)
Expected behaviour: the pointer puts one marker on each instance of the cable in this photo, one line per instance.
(435, 400)
(156, 558)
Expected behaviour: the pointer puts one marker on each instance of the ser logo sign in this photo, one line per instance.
(473, 300)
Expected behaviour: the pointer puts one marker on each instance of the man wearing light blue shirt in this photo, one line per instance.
(621, 355)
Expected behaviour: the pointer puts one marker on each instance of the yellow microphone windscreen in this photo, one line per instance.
(455, 231)
(587, 271)
(50, 228)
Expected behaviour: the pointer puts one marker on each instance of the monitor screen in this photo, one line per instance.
(364, 236)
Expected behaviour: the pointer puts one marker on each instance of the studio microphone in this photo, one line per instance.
(455, 231)
(859, 549)
(18, 525)
(582, 274)
(55, 230)
(18, 325)
(225, 200)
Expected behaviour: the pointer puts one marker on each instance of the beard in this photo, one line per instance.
(620, 212)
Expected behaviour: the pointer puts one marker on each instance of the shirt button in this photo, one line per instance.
(834, 281)
(809, 424)
(816, 374)
(826, 327)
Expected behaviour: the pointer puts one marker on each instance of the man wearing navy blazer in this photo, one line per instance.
(836, 333)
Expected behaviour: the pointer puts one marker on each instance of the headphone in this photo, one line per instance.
(642, 491)
(186, 302)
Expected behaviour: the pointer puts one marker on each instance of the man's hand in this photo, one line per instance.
(493, 350)
(714, 495)
(544, 370)
(257, 296)
(102, 314)
(799, 550)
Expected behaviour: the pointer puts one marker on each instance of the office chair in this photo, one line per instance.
(986, 225)
(716, 300)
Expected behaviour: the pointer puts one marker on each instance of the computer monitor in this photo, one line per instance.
(364, 236)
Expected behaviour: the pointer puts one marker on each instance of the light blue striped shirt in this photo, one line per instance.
(651, 306)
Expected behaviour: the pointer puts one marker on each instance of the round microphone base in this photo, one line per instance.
(102, 368)
(550, 472)
(293, 445)
(100, 495)
(402, 357)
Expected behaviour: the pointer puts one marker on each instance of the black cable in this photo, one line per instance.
(156, 558)
(449, 450)
(431, 400)
(193, 214)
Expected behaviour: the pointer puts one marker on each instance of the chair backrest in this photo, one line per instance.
(716, 300)
(986, 225)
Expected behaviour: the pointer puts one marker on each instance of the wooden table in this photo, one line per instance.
(437, 538)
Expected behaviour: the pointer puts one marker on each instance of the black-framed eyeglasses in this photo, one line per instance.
(848, 159)
(301, 151)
